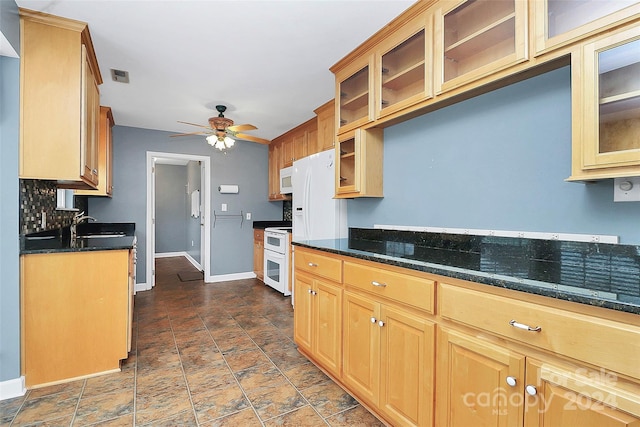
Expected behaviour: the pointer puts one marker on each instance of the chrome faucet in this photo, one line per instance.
(77, 219)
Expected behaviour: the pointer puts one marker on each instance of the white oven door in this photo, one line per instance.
(276, 242)
(275, 271)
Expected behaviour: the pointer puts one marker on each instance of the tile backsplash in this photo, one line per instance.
(287, 210)
(38, 196)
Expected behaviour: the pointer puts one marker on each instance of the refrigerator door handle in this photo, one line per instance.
(307, 203)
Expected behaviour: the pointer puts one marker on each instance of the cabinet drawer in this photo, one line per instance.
(319, 265)
(605, 343)
(415, 291)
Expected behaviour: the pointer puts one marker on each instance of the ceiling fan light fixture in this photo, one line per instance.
(228, 142)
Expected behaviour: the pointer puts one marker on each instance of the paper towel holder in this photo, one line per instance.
(228, 189)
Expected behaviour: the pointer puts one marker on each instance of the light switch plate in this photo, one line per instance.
(626, 189)
(224, 207)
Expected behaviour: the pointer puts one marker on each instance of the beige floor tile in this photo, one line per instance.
(274, 400)
(354, 417)
(305, 375)
(48, 407)
(303, 417)
(124, 380)
(103, 407)
(219, 402)
(328, 398)
(124, 421)
(244, 418)
(182, 419)
(164, 404)
(243, 359)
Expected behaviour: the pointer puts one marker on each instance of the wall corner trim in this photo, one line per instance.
(226, 277)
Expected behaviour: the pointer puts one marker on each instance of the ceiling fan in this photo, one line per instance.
(221, 131)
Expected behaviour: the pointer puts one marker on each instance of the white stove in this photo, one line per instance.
(277, 241)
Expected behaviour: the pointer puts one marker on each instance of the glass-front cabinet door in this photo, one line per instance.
(610, 107)
(475, 38)
(354, 94)
(558, 22)
(404, 67)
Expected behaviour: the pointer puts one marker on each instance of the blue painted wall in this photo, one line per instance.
(9, 247)
(497, 161)
(246, 165)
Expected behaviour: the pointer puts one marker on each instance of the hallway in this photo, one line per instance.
(203, 355)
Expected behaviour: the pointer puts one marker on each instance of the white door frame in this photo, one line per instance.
(205, 193)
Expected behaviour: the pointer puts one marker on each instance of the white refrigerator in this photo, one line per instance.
(316, 214)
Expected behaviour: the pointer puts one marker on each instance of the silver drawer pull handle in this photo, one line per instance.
(524, 327)
(378, 284)
(312, 264)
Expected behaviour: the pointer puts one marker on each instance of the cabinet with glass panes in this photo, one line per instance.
(354, 95)
(359, 164)
(606, 97)
(475, 38)
(404, 62)
(558, 22)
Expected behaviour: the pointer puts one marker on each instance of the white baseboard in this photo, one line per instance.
(169, 254)
(12, 388)
(195, 263)
(140, 287)
(226, 277)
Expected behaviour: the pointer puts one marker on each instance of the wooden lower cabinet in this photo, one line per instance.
(318, 330)
(258, 253)
(485, 384)
(472, 388)
(569, 395)
(76, 313)
(389, 359)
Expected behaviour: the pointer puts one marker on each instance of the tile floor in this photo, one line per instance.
(203, 355)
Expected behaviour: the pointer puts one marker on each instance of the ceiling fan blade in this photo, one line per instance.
(193, 124)
(240, 128)
(252, 138)
(190, 133)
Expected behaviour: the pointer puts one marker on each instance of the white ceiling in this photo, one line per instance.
(267, 60)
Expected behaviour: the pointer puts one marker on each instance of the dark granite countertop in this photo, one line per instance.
(265, 224)
(603, 275)
(91, 238)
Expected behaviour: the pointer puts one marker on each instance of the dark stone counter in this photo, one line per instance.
(267, 224)
(603, 275)
(91, 237)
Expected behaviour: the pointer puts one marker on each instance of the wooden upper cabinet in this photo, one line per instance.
(287, 151)
(326, 135)
(354, 94)
(105, 156)
(474, 39)
(359, 159)
(559, 22)
(59, 78)
(404, 66)
(606, 107)
(276, 163)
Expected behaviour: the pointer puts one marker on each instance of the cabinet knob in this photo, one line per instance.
(511, 381)
(310, 291)
(380, 323)
(525, 327)
(95, 171)
(314, 293)
(531, 390)
(374, 320)
(378, 284)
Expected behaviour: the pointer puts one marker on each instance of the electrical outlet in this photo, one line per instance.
(248, 216)
(192, 243)
(224, 207)
(626, 189)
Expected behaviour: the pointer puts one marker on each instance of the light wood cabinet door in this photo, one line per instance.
(558, 396)
(318, 320)
(606, 103)
(258, 253)
(327, 328)
(326, 135)
(407, 367)
(275, 164)
(287, 152)
(474, 39)
(404, 66)
(105, 156)
(556, 23)
(361, 348)
(354, 95)
(91, 125)
(303, 313)
(359, 159)
(472, 387)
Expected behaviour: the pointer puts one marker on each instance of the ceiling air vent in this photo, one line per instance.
(120, 76)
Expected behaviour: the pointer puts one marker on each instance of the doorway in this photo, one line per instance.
(154, 158)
